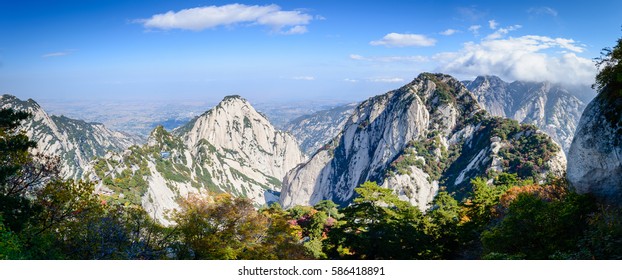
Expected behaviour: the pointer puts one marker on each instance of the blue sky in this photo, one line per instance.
(290, 50)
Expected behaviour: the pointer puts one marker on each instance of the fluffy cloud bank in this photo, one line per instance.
(530, 58)
(200, 18)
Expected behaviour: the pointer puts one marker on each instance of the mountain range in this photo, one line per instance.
(75, 142)
(431, 134)
(230, 148)
(316, 129)
(552, 108)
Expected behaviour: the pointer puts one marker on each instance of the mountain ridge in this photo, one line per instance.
(316, 129)
(551, 107)
(408, 138)
(229, 148)
(75, 142)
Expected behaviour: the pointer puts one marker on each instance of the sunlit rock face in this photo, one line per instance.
(595, 157)
(428, 134)
(231, 148)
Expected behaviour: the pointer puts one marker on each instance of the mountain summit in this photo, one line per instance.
(431, 132)
(550, 107)
(235, 126)
(231, 148)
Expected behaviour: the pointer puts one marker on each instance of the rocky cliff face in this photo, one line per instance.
(595, 157)
(234, 127)
(231, 148)
(552, 108)
(315, 130)
(76, 142)
(493, 94)
(429, 133)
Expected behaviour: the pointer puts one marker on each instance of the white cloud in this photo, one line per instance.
(502, 31)
(493, 24)
(530, 58)
(404, 40)
(568, 44)
(304, 78)
(54, 54)
(298, 29)
(449, 32)
(283, 18)
(543, 11)
(386, 80)
(414, 58)
(201, 18)
(475, 29)
(350, 80)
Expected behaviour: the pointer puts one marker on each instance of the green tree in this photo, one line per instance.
(10, 245)
(535, 228)
(481, 207)
(44, 217)
(282, 239)
(444, 227)
(314, 223)
(222, 228)
(113, 232)
(14, 145)
(609, 78)
(14, 205)
(329, 207)
(61, 206)
(317, 224)
(603, 239)
(20, 172)
(480, 211)
(300, 211)
(377, 225)
(72, 222)
(609, 86)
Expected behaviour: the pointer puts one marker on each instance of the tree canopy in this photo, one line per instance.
(610, 75)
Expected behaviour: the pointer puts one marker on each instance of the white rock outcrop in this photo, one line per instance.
(595, 157)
